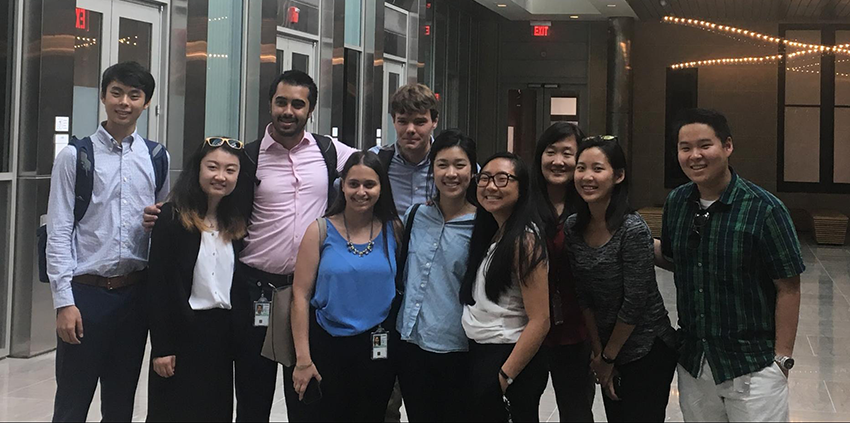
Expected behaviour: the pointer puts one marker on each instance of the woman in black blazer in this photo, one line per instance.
(192, 257)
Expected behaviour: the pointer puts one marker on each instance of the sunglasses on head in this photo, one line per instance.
(219, 141)
(602, 138)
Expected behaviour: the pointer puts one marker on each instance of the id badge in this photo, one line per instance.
(380, 339)
(262, 309)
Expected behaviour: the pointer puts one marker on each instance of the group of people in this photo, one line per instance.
(416, 274)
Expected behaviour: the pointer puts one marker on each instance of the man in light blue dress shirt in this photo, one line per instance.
(96, 265)
(415, 116)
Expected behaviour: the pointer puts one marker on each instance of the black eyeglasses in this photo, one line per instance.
(219, 141)
(500, 180)
(700, 220)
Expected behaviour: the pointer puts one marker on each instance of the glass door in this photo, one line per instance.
(109, 33)
(531, 108)
(300, 55)
(394, 78)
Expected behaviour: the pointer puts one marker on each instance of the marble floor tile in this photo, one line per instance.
(809, 395)
(839, 391)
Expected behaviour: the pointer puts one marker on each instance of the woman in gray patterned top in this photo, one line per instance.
(611, 251)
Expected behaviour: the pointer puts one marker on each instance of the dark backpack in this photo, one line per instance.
(84, 185)
(245, 190)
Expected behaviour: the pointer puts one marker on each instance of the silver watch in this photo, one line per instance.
(784, 361)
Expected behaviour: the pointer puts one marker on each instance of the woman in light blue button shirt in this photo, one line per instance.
(433, 347)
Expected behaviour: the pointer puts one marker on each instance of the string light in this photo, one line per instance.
(217, 56)
(729, 61)
(754, 35)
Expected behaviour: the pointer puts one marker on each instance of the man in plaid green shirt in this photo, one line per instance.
(737, 263)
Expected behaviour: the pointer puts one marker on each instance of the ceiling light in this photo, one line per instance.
(574, 17)
(612, 5)
(501, 5)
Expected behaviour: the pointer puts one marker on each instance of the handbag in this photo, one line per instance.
(279, 345)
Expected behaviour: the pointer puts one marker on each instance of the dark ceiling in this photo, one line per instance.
(743, 10)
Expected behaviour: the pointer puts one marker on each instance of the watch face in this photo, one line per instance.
(789, 363)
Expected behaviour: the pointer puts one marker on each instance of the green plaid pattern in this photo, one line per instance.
(726, 296)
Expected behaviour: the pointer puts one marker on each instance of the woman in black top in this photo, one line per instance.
(192, 257)
(611, 251)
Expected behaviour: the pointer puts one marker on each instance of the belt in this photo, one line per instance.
(259, 276)
(115, 282)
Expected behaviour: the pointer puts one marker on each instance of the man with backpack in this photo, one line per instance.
(285, 184)
(97, 249)
(415, 116)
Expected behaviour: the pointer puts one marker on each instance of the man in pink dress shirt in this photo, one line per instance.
(288, 191)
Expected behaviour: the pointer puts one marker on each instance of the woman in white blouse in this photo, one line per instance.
(192, 257)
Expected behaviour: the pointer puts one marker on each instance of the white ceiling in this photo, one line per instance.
(525, 10)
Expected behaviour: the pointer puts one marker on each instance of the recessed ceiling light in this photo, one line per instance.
(612, 5)
(574, 17)
(501, 5)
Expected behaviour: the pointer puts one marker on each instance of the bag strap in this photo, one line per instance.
(159, 160)
(84, 183)
(328, 149)
(322, 222)
(402, 256)
(385, 156)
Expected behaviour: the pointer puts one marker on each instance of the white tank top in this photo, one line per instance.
(487, 322)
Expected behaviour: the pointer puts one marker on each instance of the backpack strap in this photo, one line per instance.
(84, 183)
(385, 155)
(328, 149)
(401, 262)
(159, 160)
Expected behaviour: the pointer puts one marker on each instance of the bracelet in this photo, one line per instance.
(508, 379)
(304, 367)
(606, 359)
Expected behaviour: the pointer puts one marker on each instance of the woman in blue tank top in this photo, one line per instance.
(342, 293)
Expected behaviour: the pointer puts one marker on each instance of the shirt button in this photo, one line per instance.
(423, 285)
(427, 265)
(700, 290)
(418, 304)
(124, 201)
(702, 315)
(699, 264)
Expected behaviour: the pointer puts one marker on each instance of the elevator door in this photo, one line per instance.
(532, 108)
(394, 77)
(109, 32)
(296, 54)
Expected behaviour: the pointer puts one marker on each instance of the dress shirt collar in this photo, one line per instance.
(731, 193)
(269, 142)
(108, 140)
(425, 161)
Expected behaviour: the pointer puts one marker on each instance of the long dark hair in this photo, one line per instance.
(514, 241)
(384, 208)
(454, 138)
(548, 215)
(190, 201)
(619, 206)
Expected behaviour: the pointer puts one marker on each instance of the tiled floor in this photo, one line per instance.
(820, 384)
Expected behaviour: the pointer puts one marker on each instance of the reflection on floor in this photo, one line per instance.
(820, 383)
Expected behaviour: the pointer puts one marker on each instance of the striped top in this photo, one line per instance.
(724, 277)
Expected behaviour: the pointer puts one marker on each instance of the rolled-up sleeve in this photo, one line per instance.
(638, 272)
(61, 260)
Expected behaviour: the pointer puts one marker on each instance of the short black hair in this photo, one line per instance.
(716, 120)
(131, 74)
(296, 78)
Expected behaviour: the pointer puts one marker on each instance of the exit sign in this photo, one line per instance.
(540, 30)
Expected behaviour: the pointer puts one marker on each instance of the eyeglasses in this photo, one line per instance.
(700, 220)
(219, 141)
(602, 138)
(500, 180)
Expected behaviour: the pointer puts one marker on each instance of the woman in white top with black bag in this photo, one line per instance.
(506, 297)
(190, 276)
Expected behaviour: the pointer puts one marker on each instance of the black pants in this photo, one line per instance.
(115, 330)
(202, 386)
(255, 375)
(574, 385)
(644, 387)
(484, 393)
(354, 387)
(432, 383)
